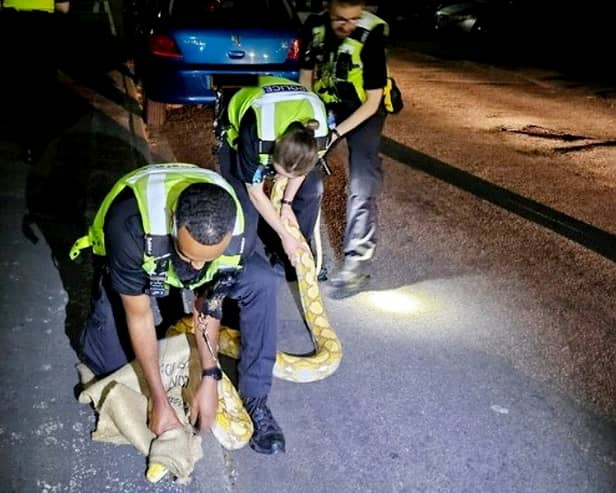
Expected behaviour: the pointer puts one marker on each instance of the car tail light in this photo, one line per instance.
(293, 53)
(164, 46)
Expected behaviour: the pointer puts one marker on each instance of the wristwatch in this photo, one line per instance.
(213, 372)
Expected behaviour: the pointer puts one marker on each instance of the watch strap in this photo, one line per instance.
(214, 372)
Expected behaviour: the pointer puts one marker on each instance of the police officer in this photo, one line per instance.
(277, 127)
(29, 35)
(344, 62)
(162, 230)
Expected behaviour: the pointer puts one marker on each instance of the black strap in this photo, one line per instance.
(157, 245)
(266, 146)
(360, 34)
(236, 246)
(159, 248)
(322, 143)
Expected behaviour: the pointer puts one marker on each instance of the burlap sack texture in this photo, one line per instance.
(121, 403)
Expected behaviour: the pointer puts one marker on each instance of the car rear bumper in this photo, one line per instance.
(198, 86)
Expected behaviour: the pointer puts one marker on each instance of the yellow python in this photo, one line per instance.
(233, 426)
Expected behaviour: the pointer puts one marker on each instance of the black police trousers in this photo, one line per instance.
(105, 345)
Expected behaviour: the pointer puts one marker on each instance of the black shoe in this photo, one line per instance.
(267, 437)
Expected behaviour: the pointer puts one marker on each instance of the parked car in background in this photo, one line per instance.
(458, 17)
(187, 50)
(494, 18)
(408, 20)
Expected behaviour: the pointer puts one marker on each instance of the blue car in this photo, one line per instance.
(190, 49)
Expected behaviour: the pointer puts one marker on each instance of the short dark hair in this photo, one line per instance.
(296, 151)
(350, 3)
(207, 211)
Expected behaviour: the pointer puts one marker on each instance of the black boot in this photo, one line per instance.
(267, 437)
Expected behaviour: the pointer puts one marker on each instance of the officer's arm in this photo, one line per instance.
(292, 187)
(205, 402)
(305, 78)
(361, 114)
(212, 326)
(62, 6)
(263, 204)
(142, 334)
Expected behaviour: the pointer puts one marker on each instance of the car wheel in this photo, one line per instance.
(155, 113)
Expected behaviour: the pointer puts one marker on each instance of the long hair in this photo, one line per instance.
(296, 151)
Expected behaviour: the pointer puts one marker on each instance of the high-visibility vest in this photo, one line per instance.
(42, 5)
(330, 76)
(277, 102)
(157, 188)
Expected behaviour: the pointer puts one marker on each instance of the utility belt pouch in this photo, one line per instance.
(392, 97)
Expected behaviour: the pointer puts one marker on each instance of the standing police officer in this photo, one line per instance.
(29, 35)
(344, 62)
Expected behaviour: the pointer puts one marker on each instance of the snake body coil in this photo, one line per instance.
(233, 426)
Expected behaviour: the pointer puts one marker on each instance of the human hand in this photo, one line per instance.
(162, 417)
(204, 404)
(292, 247)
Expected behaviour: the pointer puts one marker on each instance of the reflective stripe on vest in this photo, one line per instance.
(277, 102)
(156, 189)
(42, 5)
(157, 182)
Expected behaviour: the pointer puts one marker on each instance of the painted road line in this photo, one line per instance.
(587, 235)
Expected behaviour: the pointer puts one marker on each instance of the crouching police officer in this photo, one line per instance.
(160, 230)
(276, 128)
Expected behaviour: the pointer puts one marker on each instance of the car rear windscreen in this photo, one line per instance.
(233, 13)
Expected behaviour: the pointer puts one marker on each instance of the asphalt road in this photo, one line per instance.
(446, 383)
(496, 255)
